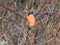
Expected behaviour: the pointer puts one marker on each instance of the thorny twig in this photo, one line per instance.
(12, 10)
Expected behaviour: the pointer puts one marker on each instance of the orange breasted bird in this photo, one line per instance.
(31, 20)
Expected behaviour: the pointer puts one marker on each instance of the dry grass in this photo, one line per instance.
(14, 31)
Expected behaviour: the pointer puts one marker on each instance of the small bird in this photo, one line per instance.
(31, 20)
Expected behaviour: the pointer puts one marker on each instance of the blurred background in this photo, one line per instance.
(14, 31)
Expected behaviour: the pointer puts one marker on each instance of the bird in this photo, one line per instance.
(30, 20)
